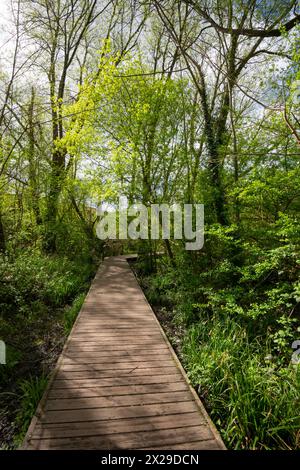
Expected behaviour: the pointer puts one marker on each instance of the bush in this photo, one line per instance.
(238, 301)
(37, 310)
(33, 277)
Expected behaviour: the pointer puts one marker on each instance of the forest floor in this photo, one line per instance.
(40, 297)
(43, 346)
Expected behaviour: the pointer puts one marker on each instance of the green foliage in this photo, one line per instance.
(37, 305)
(239, 303)
(138, 126)
(13, 357)
(72, 312)
(31, 392)
(254, 403)
(268, 193)
(33, 279)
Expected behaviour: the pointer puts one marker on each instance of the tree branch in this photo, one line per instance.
(250, 32)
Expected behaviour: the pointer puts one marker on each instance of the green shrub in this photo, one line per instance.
(33, 277)
(36, 292)
(72, 312)
(238, 301)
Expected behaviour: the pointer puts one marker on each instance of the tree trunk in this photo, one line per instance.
(56, 181)
(213, 142)
(33, 186)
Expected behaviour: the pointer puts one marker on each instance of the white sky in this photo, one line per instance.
(4, 18)
(7, 33)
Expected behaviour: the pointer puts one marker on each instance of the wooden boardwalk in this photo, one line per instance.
(118, 384)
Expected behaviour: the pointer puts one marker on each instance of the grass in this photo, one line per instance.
(40, 297)
(254, 403)
(30, 391)
(72, 312)
(240, 365)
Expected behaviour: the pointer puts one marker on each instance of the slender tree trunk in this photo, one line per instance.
(236, 179)
(170, 252)
(214, 166)
(56, 182)
(33, 186)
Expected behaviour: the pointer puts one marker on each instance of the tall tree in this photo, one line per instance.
(228, 36)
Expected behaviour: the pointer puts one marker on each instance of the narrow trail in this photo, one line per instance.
(118, 383)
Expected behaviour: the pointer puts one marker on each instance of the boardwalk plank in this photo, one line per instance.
(119, 366)
(116, 412)
(79, 403)
(98, 428)
(116, 390)
(109, 382)
(87, 358)
(129, 439)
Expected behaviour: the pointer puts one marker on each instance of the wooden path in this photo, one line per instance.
(118, 384)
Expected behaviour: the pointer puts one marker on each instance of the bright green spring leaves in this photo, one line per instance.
(126, 122)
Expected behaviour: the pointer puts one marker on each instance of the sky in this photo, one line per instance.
(4, 19)
(6, 37)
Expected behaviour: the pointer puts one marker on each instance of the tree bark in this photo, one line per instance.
(33, 186)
